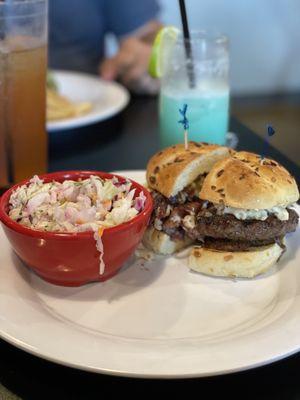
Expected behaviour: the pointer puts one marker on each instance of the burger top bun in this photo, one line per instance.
(245, 180)
(172, 169)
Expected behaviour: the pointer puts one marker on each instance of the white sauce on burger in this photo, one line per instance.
(279, 212)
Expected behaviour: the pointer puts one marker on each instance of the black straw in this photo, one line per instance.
(187, 44)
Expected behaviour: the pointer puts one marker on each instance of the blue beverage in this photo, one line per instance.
(201, 82)
(207, 114)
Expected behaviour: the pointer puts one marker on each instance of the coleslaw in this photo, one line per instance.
(91, 204)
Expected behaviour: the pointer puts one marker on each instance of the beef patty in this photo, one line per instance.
(169, 217)
(226, 226)
(234, 245)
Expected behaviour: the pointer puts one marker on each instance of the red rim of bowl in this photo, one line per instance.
(70, 235)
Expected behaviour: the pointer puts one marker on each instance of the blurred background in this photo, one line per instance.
(264, 37)
(113, 39)
(265, 59)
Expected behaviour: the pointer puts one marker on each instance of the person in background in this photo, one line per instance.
(77, 31)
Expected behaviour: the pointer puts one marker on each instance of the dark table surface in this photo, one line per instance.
(126, 142)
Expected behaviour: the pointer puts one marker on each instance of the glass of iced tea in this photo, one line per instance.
(23, 67)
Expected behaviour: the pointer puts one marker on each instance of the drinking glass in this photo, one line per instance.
(195, 72)
(23, 66)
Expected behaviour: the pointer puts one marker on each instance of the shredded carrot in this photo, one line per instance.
(107, 204)
(100, 231)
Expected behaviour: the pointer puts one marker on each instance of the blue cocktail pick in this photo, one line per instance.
(185, 122)
(269, 134)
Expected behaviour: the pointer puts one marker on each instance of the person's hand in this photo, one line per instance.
(130, 64)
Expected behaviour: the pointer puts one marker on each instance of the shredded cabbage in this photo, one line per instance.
(75, 206)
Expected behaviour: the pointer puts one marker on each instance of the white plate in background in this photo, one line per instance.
(155, 319)
(107, 98)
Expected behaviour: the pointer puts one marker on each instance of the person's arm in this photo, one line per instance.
(136, 28)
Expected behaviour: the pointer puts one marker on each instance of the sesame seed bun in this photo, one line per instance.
(161, 243)
(244, 180)
(238, 264)
(172, 169)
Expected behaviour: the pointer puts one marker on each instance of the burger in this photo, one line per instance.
(175, 176)
(243, 214)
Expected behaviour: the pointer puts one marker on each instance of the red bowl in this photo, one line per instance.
(71, 259)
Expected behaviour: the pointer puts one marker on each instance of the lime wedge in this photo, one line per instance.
(162, 46)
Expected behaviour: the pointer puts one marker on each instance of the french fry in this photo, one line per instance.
(59, 107)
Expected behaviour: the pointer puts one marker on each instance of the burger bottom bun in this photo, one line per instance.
(161, 243)
(239, 264)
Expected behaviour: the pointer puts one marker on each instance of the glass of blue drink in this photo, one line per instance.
(206, 92)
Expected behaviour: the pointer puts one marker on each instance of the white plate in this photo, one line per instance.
(154, 320)
(107, 98)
